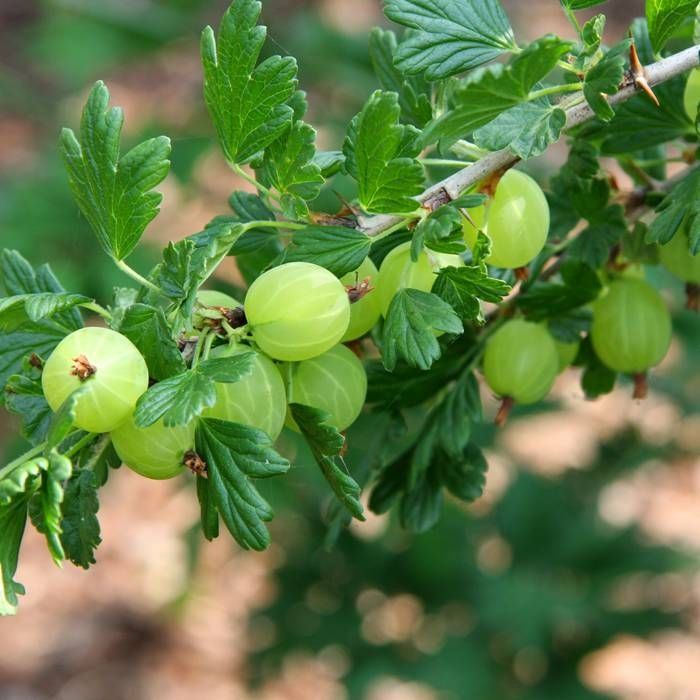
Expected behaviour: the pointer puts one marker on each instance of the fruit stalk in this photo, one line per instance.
(455, 184)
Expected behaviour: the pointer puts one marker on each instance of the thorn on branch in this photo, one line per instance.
(504, 411)
(639, 75)
(641, 387)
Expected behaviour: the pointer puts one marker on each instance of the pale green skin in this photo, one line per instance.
(365, 312)
(516, 220)
(258, 400)
(398, 271)
(566, 352)
(631, 328)
(297, 311)
(335, 382)
(521, 361)
(676, 258)
(212, 297)
(691, 96)
(111, 393)
(156, 452)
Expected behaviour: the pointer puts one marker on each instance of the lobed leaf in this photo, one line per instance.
(326, 444)
(80, 528)
(409, 329)
(234, 454)
(450, 37)
(380, 154)
(114, 193)
(247, 102)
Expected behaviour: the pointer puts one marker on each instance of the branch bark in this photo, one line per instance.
(455, 184)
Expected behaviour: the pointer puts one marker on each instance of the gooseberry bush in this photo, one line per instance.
(394, 302)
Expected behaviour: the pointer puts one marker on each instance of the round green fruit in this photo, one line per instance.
(521, 361)
(566, 352)
(631, 328)
(516, 220)
(212, 297)
(398, 271)
(258, 400)
(334, 382)
(365, 312)
(108, 367)
(297, 311)
(676, 258)
(691, 96)
(156, 451)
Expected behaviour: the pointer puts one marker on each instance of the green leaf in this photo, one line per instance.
(665, 17)
(33, 337)
(45, 507)
(465, 477)
(463, 287)
(80, 529)
(179, 399)
(413, 91)
(22, 479)
(489, 91)
(326, 444)
(209, 516)
(451, 37)
(147, 328)
(580, 285)
(605, 78)
(13, 518)
(380, 155)
(680, 208)
(113, 192)
(638, 123)
(581, 4)
(62, 421)
(597, 379)
(337, 248)
(288, 163)
(247, 103)
(24, 397)
(593, 244)
(527, 129)
(19, 309)
(235, 454)
(329, 162)
(441, 231)
(409, 329)
(188, 263)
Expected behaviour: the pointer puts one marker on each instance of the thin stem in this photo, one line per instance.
(136, 276)
(207, 345)
(198, 349)
(567, 67)
(100, 310)
(443, 161)
(571, 16)
(291, 225)
(251, 180)
(29, 454)
(85, 440)
(554, 90)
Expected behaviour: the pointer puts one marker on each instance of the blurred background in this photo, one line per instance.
(574, 577)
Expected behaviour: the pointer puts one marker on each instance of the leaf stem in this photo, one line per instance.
(136, 276)
(207, 345)
(25, 457)
(100, 310)
(554, 90)
(253, 181)
(291, 225)
(85, 440)
(571, 16)
(444, 161)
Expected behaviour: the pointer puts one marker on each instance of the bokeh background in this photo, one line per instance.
(574, 577)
